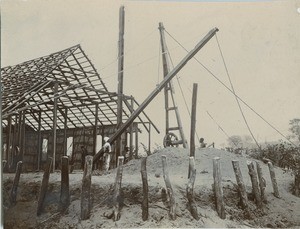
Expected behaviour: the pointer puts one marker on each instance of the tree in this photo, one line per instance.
(235, 141)
(295, 128)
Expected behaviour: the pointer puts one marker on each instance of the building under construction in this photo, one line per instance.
(57, 104)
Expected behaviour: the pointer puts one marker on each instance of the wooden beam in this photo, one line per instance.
(153, 94)
(54, 125)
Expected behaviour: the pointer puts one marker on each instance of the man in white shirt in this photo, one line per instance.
(107, 153)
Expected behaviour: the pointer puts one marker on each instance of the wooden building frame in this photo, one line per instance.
(58, 93)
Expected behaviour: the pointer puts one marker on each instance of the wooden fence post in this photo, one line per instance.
(14, 189)
(218, 188)
(241, 185)
(273, 179)
(262, 182)
(64, 191)
(44, 186)
(190, 189)
(86, 188)
(145, 210)
(255, 187)
(170, 192)
(116, 194)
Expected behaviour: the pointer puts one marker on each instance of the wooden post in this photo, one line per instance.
(8, 139)
(136, 141)
(169, 188)
(273, 179)
(116, 194)
(64, 191)
(255, 188)
(241, 185)
(190, 190)
(262, 182)
(149, 139)
(44, 186)
(4, 163)
(131, 133)
(65, 131)
(120, 78)
(54, 124)
(86, 188)
(14, 189)
(145, 210)
(23, 146)
(95, 130)
(193, 123)
(39, 143)
(218, 188)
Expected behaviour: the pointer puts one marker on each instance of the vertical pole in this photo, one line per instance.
(117, 190)
(131, 134)
(86, 188)
(44, 186)
(23, 136)
(145, 207)
(169, 188)
(262, 182)
(218, 188)
(39, 144)
(193, 123)
(255, 187)
(273, 179)
(54, 124)
(14, 189)
(136, 141)
(95, 130)
(149, 139)
(15, 137)
(120, 77)
(8, 138)
(65, 132)
(64, 187)
(241, 185)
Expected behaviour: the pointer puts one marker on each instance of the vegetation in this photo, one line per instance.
(282, 154)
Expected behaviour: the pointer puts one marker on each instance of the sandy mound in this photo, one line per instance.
(282, 212)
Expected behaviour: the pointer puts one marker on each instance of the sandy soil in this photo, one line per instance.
(283, 212)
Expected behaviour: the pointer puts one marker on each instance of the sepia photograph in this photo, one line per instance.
(150, 114)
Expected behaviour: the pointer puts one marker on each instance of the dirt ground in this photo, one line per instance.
(277, 213)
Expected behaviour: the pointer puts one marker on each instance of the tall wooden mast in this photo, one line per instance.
(170, 105)
(120, 77)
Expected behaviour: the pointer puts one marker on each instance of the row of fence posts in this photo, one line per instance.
(257, 181)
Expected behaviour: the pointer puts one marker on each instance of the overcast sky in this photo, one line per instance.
(260, 42)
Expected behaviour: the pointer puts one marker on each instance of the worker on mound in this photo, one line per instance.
(202, 144)
(107, 153)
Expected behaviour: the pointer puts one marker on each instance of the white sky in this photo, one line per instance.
(260, 42)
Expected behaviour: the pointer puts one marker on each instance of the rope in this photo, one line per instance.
(221, 128)
(212, 74)
(238, 102)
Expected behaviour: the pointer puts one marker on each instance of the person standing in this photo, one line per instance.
(107, 153)
(84, 153)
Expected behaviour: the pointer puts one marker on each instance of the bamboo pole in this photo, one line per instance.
(190, 190)
(86, 188)
(262, 182)
(39, 148)
(44, 186)
(254, 181)
(145, 207)
(14, 189)
(170, 192)
(273, 179)
(241, 185)
(64, 192)
(116, 194)
(218, 188)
